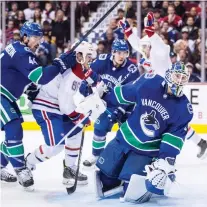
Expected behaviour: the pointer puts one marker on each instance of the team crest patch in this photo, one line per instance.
(149, 123)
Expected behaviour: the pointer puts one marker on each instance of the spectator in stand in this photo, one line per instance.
(157, 15)
(173, 19)
(197, 19)
(183, 56)
(29, 12)
(179, 8)
(38, 16)
(130, 10)
(120, 14)
(117, 31)
(82, 10)
(48, 13)
(60, 31)
(173, 57)
(169, 32)
(20, 18)
(101, 48)
(185, 37)
(192, 29)
(109, 39)
(9, 31)
(64, 6)
(145, 9)
(14, 11)
(157, 27)
(197, 56)
(164, 8)
(193, 77)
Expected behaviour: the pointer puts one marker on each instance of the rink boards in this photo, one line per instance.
(196, 93)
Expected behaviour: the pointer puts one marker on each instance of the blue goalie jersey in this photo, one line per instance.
(158, 125)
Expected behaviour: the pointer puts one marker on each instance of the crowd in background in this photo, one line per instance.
(177, 22)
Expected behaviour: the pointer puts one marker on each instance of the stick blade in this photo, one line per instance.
(71, 189)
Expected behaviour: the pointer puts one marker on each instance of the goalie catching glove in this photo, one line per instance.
(160, 176)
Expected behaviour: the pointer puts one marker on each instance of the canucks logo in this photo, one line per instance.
(149, 123)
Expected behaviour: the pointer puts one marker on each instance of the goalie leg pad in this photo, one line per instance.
(136, 190)
(112, 159)
(130, 168)
(105, 186)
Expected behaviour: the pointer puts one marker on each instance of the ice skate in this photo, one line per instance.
(69, 176)
(25, 178)
(90, 161)
(30, 165)
(202, 149)
(6, 176)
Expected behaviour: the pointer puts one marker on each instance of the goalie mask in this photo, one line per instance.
(176, 77)
(87, 51)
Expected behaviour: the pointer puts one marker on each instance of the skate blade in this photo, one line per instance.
(70, 182)
(29, 189)
(3, 182)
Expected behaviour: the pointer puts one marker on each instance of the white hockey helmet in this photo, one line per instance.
(85, 48)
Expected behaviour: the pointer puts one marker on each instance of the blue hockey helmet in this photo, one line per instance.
(119, 45)
(31, 29)
(176, 77)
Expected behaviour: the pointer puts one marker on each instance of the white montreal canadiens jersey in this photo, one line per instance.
(68, 87)
(47, 98)
(57, 95)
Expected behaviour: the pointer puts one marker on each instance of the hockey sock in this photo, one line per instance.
(98, 144)
(3, 155)
(43, 153)
(72, 147)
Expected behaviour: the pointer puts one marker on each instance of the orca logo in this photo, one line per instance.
(149, 123)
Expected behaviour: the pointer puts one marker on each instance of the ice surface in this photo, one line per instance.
(49, 191)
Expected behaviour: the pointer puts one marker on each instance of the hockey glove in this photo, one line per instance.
(91, 77)
(149, 24)
(160, 176)
(65, 61)
(77, 117)
(124, 24)
(116, 115)
(85, 89)
(32, 91)
(146, 64)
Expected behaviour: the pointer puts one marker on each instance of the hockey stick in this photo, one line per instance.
(79, 124)
(95, 25)
(72, 189)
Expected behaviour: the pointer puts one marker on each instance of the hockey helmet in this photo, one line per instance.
(86, 49)
(31, 29)
(176, 77)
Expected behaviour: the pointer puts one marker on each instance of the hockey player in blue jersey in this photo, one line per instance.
(140, 160)
(152, 136)
(19, 67)
(113, 69)
(156, 54)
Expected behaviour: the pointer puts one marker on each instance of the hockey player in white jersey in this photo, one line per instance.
(53, 109)
(155, 58)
